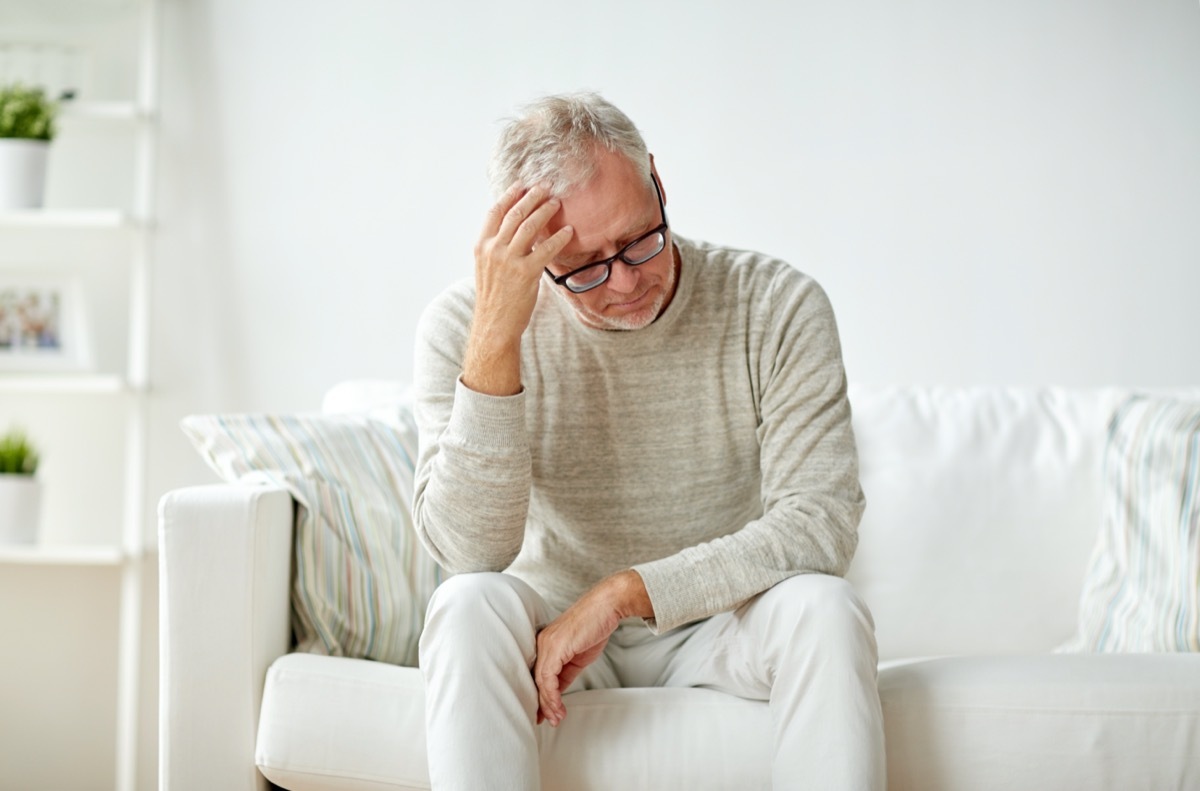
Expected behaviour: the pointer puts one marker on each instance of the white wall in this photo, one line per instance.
(991, 192)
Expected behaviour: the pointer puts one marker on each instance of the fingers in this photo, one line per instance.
(550, 705)
(496, 214)
(531, 227)
(513, 226)
(518, 210)
(545, 251)
(568, 676)
(570, 643)
(527, 217)
(545, 677)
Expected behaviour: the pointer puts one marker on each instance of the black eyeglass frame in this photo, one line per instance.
(607, 263)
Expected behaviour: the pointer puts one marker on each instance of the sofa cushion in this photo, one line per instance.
(982, 506)
(330, 723)
(1142, 592)
(361, 579)
(1043, 722)
(980, 723)
(334, 724)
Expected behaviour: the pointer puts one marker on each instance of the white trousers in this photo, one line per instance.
(807, 646)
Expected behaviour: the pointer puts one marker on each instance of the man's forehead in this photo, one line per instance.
(604, 215)
(600, 243)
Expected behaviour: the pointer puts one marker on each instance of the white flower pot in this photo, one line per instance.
(20, 508)
(22, 173)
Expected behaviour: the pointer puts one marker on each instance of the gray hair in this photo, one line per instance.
(553, 141)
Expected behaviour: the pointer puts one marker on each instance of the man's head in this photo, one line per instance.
(594, 159)
(553, 142)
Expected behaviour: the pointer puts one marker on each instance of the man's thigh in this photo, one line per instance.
(740, 651)
(470, 614)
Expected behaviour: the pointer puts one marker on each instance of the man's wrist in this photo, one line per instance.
(492, 367)
(630, 595)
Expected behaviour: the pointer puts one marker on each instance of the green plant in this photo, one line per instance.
(26, 113)
(17, 456)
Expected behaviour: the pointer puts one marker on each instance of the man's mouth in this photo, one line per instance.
(631, 303)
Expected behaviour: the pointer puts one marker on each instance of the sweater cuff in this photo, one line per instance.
(486, 420)
(670, 595)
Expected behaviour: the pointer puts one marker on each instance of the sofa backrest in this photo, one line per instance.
(982, 508)
(983, 505)
(364, 395)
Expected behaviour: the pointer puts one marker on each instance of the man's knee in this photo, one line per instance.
(820, 590)
(824, 606)
(477, 605)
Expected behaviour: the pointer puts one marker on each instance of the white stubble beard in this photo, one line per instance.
(630, 321)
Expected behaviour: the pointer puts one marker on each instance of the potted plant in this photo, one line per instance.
(26, 129)
(20, 491)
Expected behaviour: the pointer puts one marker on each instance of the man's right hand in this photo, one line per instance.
(508, 268)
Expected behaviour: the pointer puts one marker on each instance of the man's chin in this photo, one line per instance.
(626, 322)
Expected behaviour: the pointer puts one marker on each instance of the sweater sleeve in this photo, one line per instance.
(473, 471)
(811, 498)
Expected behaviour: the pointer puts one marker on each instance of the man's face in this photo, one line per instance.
(609, 212)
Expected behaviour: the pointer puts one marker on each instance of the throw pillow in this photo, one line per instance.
(361, 578)
(1142, 592)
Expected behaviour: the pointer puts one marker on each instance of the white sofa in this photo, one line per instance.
(983, 507)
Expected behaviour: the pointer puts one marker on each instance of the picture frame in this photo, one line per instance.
(43, 325)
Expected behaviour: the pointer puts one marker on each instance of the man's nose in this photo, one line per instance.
(623, 278)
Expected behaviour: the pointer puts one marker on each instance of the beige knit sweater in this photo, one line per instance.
(711, 451)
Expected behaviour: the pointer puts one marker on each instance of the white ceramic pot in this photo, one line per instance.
(22, 173)
(20, 508)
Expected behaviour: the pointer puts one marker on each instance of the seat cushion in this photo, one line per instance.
(354, 725)
(1043, 722)
(337, 723)
(1053, 722)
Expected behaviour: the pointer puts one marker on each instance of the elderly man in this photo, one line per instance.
(636, 456)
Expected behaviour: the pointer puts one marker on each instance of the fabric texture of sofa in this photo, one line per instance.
(983, 509)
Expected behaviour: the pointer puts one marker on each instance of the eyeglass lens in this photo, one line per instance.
(639, 252)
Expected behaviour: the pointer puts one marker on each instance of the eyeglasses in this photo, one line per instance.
(639, 251)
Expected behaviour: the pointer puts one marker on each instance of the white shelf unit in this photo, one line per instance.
(127, 550)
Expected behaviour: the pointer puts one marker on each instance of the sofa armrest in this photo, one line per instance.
(224, 569)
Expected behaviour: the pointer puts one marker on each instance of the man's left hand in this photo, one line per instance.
(575, 639)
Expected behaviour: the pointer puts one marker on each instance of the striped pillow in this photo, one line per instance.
(1142, 592)
(361, 577)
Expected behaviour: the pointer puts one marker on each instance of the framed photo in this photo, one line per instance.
(42, 325)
